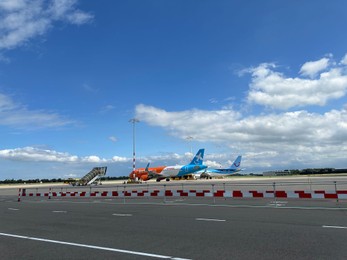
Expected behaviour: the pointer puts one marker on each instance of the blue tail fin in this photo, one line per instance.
(198, 158)
(146, 170)
(237, 163)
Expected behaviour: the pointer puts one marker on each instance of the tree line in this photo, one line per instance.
(55, 180)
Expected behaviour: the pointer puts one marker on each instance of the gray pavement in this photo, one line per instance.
(39, 228)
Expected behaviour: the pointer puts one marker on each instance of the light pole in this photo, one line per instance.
(134, 121)
(190, 138)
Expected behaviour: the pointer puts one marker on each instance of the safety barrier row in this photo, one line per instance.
(318, 194)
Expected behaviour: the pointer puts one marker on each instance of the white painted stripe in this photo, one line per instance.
(12, 209)
(210, 219)
(59, 211)
(334, 227)
(92, 247)
(122, 215)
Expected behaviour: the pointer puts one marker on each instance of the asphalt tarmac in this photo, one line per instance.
(38, 228)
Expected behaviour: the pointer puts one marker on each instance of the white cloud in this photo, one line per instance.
(311, 68)
(120, 159)
(286, 139)
(35, 154)
(12, 4)
(113, 138)
(213, 101)
(107, 108)
(344, 60)
(93, 159)
(6, 103)
(44, 155)
(202, 124)
(272, 89)
(228, 126)
(22, 20)
(79, 17)
(18, 116)
(89, 88)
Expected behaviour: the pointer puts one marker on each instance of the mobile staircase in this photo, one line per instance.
(92, 176)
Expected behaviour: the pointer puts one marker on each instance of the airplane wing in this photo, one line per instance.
(152, 174)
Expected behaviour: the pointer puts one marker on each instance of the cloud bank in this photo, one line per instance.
(18, 116)
(298, 138)
(320, 82)
(282, 138)
(44, 155)
(22, 20)
(299, 127)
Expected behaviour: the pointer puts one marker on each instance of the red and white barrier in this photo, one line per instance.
(19, 194)
(298, 194)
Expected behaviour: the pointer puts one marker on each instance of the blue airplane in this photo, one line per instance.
(183, 170)
(210, 173)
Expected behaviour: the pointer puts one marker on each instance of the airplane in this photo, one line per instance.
(145, 174)
(183, 170)
(209, 173)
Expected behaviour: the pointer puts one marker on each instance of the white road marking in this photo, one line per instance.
(122, 215)
(279, 201)
(210, 219)
(92, 247)
(276, 204)
(340, 227)
(59, 211)
(12, 209)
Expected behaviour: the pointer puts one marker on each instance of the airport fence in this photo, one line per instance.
(333, 190)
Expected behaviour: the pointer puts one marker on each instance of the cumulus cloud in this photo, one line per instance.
(311, 68)
(300, 137)
(202, 124)
(120, 159)
(12, 4)
(273, 89)
(18, 116)
(93, 159)
(293, 139)
(22, 20)
(36, 154)
(227, 125)
(45, 155)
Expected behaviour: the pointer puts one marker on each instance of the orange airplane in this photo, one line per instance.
(146, 174)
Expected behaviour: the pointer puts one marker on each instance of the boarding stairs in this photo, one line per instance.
(92, 176)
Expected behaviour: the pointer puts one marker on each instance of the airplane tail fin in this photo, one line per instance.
(237, 163)
(146, 169)
(198, 158)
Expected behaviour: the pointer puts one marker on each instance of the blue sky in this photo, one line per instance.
(265, 79)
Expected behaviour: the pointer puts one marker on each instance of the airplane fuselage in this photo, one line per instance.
(218, 173)
(142, 173)
(180, 170)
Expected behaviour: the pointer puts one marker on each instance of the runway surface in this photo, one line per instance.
(108, 229)
(174, 227)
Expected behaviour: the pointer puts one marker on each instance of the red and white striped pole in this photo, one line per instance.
(133, 121)
(19, 193)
